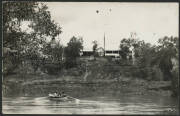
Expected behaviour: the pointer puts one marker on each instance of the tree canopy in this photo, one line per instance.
(95, 46)
(27, 44)
(127, 43)
(166, 50)
(74, 47)
(72, 51)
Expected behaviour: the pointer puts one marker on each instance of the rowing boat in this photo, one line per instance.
(58, 98)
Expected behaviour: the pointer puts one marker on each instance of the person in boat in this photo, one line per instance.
(55, 94)
(63, 94)
(60, 94)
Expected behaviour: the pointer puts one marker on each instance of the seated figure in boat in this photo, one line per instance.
(63, 94)
(56, 94)
(60, 94)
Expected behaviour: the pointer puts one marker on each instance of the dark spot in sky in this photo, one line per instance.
(110, 9)
(97, 11)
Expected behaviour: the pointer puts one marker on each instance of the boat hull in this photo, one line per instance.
(60, 99)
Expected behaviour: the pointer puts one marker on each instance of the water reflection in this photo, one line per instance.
(91, 105)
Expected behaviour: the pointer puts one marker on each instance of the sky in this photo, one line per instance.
(150, 21)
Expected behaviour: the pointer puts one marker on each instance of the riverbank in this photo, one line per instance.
(135, 94)
(42, 86)
(100, 75)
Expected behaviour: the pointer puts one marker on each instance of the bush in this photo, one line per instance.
(53, 69)
(140, 73)
(175, 83)
(70, 63)
(109, 58)
(147, 73)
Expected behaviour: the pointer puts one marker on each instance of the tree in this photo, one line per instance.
(72, 51)
(126, 44)
(124, 47)
(166, 50)
(95, 45)
(145, 54)
(28, 45)
(57, 52)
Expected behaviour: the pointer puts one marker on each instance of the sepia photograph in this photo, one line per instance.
(90, 58)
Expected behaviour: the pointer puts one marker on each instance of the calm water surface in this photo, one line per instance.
(91, 105)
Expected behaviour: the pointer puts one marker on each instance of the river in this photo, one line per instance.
(123, 104)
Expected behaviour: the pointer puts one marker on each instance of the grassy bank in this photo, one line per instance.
(99, 74)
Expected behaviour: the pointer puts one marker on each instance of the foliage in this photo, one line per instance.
(167, 50)
(146, 53)
(53, 68)
(168, 42)
(72, 51)
(95, 46)
(124, 47)
(126, 44)
(55, 52)
(28, 45)
(149, 56)
(175, 81)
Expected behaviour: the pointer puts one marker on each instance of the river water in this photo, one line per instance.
(123, 104)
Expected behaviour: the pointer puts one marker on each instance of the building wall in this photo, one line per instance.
(114, 53)
(111, 54)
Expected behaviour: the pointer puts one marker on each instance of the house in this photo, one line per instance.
(100, 51)
(87, 53)
(112, 53)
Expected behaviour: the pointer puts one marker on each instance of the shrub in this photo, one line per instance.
(175, 82)
(70, 63)
(109, 58)
(53, 68)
